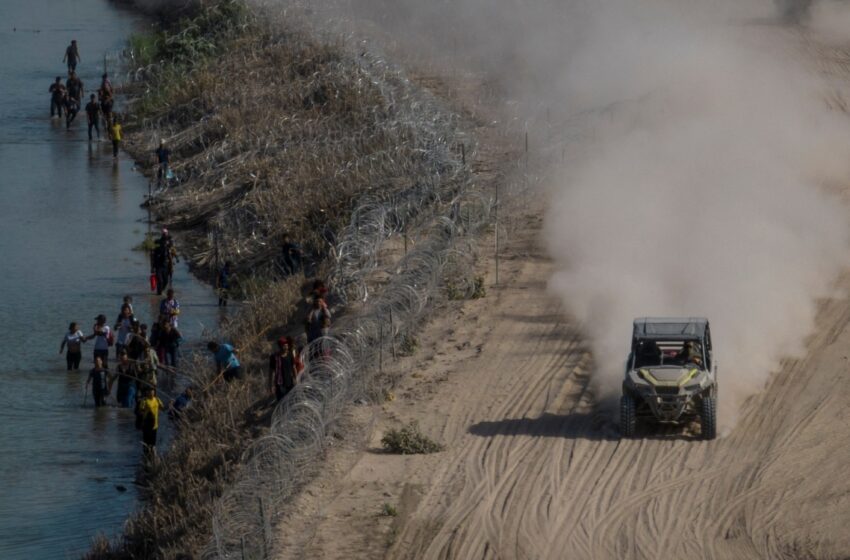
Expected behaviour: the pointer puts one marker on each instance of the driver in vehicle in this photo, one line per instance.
(690, 354)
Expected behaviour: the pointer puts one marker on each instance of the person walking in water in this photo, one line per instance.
(73, 341)
(169, 343)
(163, 257)
(72, 107)
(169, 308)
(57, 97)
(72, 56)
(75, 88)
(105, 84)
(125, 394)
(147, 414)
(93, 115)
(103, 339)
(116, 134)
(123, 328)
(99, 379)
(106, 103)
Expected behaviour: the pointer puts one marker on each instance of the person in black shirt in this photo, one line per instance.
(99, 378)
(57, 97)
(72, 56)
(74, 86)
(163, 258)
(163, 156)
(72, 107)
(136, 343)
(283, 368)
(168, 343)
(93, 115)
(106, 102)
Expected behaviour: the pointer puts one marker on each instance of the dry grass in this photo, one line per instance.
(281, 134)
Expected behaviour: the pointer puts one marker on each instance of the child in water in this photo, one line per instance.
(116, 133)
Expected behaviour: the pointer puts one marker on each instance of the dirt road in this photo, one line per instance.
(534, 468)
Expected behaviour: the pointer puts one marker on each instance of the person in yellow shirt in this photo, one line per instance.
(116, 133)
(147, 412)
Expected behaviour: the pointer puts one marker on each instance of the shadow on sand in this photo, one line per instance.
(591, 426)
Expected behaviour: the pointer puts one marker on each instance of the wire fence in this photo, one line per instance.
(443, 213)
(340, 370)
(439, 211)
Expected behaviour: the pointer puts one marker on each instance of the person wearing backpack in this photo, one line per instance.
(103, 339)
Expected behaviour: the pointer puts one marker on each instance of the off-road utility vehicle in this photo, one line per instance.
(671, 376)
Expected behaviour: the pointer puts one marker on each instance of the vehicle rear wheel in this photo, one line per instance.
(628, 416)
(708, 417)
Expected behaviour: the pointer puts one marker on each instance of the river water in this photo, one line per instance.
(69, 217)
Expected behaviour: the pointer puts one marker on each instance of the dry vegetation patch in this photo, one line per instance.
(272, 131)
(409, 440)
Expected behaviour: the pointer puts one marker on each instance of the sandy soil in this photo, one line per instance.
(534, 466)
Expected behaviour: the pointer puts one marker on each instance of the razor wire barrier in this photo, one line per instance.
(339, 370)
(434, 203)
(443, 213)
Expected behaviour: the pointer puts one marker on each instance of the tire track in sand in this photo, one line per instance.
(540, 472)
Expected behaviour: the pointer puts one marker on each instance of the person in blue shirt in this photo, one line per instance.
(226, 362)
(180, 404)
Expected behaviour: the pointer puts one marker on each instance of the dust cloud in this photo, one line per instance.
(697, 178)
(700, 189)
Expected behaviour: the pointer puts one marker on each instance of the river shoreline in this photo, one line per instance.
(68, 224)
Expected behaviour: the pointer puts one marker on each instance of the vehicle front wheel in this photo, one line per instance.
(708, 417)
(628, 416)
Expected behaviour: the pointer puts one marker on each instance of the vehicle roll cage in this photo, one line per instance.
(666, 333)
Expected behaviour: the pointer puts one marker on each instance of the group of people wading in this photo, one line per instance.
(67, 99)
(141, 353)
(139, 356)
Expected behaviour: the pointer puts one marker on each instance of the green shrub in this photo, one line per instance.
(389, 510)
(409, 441)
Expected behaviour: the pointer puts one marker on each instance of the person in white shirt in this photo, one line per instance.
(73, 341)
(103, 339)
